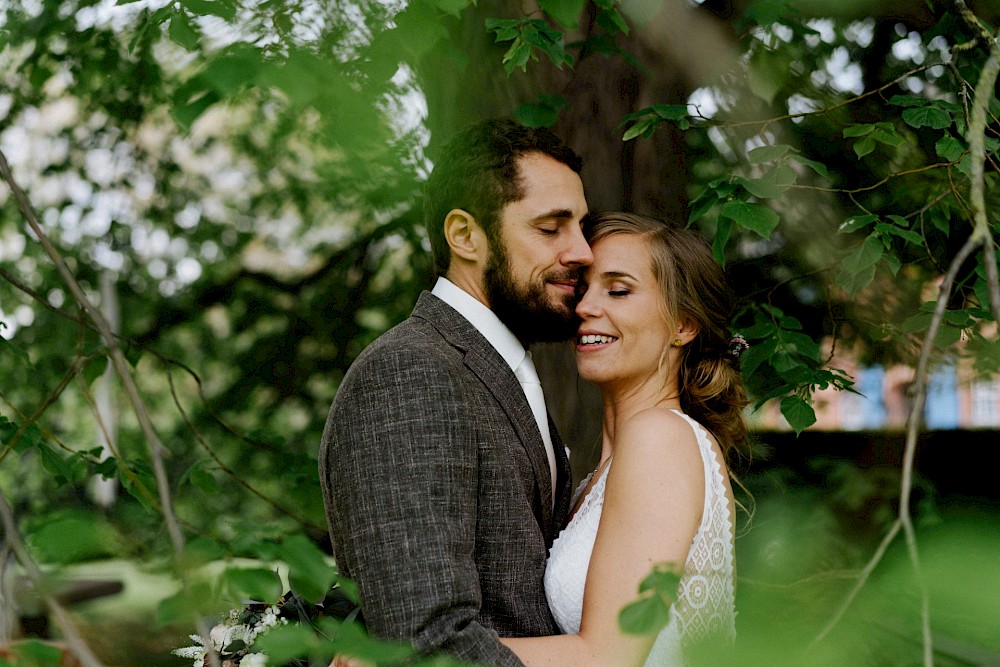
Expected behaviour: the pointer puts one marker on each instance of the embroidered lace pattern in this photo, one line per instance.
(706, 596)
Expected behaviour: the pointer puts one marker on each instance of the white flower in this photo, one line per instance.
(254, 660)
(190, 652)
(219, 635)
(193, 652)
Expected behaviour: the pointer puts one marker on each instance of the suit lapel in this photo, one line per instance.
(486, 363)
(564, 483)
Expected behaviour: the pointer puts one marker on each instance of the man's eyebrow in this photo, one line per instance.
(556, 213)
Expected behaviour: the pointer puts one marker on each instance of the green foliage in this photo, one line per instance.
(528, 36)
(265, 227)
(541, 113)
(644, 121)
(650, 613)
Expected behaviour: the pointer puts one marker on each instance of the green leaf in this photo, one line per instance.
(419, 30)
(36, 653)
(855, 223)
(784, 362)
(958, 318)
(892, 262)
(865, 146)
(763, 154)
(535, 34)
(947, 336)
(889, 137)
(146, 493)
(766, 76)
(53, 461)
(755, 217)
(908, 235)
(350, 639)
(541, 113)
(94, 369)
(220, 8)
(927, 116)
(645, 616)
(949, 148)
(796, 342)
(643, 127)
(702, 204)
(308, 571)
(204, 480)
(232, 71)
(182, 32)
(254, 583)
(157, 17)
(565, 12)
(185, 114)
(858, 269)
(452, 7)
(782, 175)
(73, 539)
(182, 606)
(798, 413)
(201, 550)
(760, 188)
(758, 353)
(858, 131)
(818, 167)
(722, 231)
(612, 21)
(916, 323)
(285, 643)
(662, 579)
(15, 352)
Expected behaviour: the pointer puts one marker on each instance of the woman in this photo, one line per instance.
(654, 338)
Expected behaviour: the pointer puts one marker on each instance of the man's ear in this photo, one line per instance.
(464, 235)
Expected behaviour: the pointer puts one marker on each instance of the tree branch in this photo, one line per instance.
(59, 614)
(118, 360)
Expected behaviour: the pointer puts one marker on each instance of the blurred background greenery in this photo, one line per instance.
(236, 185)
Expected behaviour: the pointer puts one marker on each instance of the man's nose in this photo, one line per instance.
(578, 251)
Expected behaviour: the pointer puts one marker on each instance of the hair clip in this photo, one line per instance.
(737, 345)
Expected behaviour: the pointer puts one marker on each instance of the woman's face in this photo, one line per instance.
(623, 333)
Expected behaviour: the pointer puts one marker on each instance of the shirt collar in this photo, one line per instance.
(483, 319)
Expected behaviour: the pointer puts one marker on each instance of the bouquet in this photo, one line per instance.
(235, 636)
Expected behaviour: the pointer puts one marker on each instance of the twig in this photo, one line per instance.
(222, 464)
(117, 358)
(860, 583)
(977, 146)
(61, 617)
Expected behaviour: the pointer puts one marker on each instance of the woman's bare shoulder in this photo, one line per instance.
(656, 436)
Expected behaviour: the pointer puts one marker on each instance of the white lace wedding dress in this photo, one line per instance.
(705, 598)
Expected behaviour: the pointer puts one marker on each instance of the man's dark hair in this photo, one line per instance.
(477, 172)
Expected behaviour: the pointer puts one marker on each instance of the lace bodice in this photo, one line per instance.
(706, 595)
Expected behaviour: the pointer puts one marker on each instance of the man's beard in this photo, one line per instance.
(526, 309)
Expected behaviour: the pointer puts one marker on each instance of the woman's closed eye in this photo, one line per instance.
(618, 292)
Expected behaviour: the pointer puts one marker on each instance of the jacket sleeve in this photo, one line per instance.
(399, 464)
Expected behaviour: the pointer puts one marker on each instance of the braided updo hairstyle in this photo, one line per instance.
(694, 289)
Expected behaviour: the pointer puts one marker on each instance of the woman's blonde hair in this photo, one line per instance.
(694, 290)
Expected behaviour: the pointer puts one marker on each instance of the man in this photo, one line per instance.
(442, 494)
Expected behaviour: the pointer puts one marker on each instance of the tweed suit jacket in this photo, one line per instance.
(438, 491)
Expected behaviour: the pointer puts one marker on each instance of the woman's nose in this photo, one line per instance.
(587, 305)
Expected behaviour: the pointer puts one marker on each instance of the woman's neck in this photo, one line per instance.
(621, 402)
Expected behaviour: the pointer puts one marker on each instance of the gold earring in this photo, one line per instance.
(677, 342)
